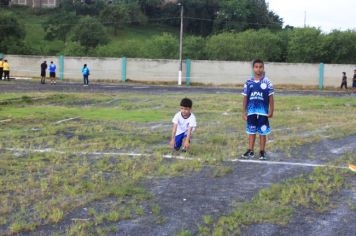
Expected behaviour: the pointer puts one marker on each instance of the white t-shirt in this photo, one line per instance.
(184, 124)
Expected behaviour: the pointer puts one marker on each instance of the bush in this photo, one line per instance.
(194, 47)
(304, 45)
(165, 46)
(89, 33)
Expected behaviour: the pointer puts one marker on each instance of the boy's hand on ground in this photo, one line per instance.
(244, 116)
(186, 144)
(172, 143)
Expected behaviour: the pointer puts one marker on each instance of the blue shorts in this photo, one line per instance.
(258, 124)
(179, 140)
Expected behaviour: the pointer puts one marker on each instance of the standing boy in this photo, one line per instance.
(6, 68)
(258, 106)
(52, 72)
(85, 72)
(344, 80)
(43, 72)
(184, 124)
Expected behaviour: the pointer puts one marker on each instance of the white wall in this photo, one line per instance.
(28, 66)
(333, 74)
(205, 72)
(100, 68)
(152, 70)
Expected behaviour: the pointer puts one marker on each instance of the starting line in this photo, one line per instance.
(65, 120)
(48, 150)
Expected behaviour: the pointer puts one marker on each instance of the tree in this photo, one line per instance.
(339, 47)
(12, 35)
(89, 33)
(164, 46)
(222, 47)
(88, 7)
(194, 47)
(59, 25)
(124, 14)
(304, 45)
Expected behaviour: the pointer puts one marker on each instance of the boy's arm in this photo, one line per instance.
(244, 105)
(271, 106)
(187, 139)
(174, 130)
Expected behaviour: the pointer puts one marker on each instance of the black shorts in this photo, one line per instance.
(43, 74)
(52, 74)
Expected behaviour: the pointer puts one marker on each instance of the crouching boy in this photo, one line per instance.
(184, 124)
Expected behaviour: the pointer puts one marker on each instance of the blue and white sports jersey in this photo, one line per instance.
(258, 92)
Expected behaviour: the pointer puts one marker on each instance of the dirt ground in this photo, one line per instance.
(185, 200)
(35, 86)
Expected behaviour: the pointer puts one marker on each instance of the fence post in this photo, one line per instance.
(321, 76)
(61, 67)
(188, 64)
(123, 69)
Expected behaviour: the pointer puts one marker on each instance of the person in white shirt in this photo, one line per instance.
(184, 124)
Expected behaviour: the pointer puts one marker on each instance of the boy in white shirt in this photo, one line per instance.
(184, 124)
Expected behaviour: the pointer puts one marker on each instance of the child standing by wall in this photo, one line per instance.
(184, 124)
(258, 106)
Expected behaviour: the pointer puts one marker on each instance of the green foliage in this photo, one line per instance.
(164, 46)
(58, 25)
(74, 49)
(12, 34)
(305, 45)
(339, 47)
(244, 46)
(88, 7)
(194, 47)
(89, 33)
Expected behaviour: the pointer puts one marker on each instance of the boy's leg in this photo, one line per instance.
(263, 139)
(251, 141)
(263, 130)
(251, 129)
(178, 141)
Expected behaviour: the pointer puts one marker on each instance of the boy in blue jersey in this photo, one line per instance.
(86, 73)
(52, 72)
(258, 106)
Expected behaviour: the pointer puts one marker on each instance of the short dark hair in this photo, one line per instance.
(85, 64)
(186, 102)
(344, 73)
(257, 61)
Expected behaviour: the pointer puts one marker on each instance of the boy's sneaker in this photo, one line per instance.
(263, 156)
(248, 154)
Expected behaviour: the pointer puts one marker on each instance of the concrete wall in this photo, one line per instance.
(205, 72)
(100, 68)
(333, 74)
(152, 70)
(28, 66)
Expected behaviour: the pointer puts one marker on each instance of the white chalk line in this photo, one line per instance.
(128, 154)
(3, 121)
(65, 120)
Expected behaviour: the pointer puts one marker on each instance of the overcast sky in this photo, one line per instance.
(326, 14)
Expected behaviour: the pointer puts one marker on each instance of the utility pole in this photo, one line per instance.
(305, 19)
(181, 44)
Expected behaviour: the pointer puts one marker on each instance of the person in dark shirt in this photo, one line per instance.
(344, 80)
(43, 72)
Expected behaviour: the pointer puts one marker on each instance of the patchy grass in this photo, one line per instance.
(52, 188)
(277, 203)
